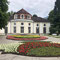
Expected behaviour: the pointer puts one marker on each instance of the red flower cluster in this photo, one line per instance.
(14, 38)
(24, 48)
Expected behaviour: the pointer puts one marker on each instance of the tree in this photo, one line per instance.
(35, 15)
(3, 13)
(51, 17)
(54, 18)
(10, 13)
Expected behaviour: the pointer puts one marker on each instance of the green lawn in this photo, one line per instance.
(44, 51)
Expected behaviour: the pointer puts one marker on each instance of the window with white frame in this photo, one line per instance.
(22, 29)
(22, 16)
(14, 29)
(29, 29)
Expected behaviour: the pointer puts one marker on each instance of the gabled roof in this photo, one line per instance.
(22, 11)
(39, 19)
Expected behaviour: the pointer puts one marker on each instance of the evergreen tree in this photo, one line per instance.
(3, 13)
(54, 17)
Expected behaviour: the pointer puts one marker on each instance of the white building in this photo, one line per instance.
(22, 22)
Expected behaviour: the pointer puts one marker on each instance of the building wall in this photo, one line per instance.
(33, 27)
(2, 31)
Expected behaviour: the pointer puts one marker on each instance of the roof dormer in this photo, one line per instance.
(22, 14)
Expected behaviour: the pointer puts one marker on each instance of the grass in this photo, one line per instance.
(34, 41)
(44, 51)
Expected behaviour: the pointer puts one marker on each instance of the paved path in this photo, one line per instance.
(3, 40)
(52, 39)
(19, 57)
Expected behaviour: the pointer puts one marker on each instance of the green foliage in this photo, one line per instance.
(54, 18)
(35, 15)
(51, 16)
(44, 51)
(10, 13)
(3, 13)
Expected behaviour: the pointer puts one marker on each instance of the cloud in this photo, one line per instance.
(39, 7)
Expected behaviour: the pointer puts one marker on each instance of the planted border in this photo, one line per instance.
(14, 38)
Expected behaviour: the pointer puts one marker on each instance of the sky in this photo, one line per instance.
(39, 7)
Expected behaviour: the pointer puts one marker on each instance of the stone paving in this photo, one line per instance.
(3, 40)
(52, 39)
(19, 57)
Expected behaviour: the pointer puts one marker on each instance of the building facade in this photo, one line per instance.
(23, 22)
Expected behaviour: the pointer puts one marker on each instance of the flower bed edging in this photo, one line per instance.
(13, 38)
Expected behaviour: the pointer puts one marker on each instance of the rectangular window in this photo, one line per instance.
(22, 29)
(29, 29)
(14, 29)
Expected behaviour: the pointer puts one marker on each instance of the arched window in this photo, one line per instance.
(44, 24)
(37, 24)
(22, 23)
(22, 16)
(29, 24)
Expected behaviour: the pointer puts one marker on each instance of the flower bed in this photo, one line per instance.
(26, 36)
(36, 38)
(25, 48)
